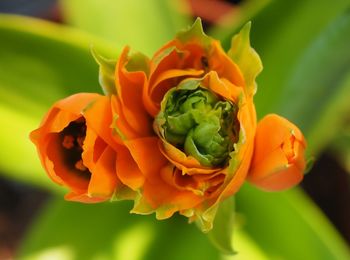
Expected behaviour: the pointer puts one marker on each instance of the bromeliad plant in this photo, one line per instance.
(175, 133)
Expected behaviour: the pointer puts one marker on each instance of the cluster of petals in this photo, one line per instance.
(108, 147)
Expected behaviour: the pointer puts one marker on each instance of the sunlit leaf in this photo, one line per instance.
(288, 225)
(341, 148)
(223, 227)
(106, 73)
(143, 25)
(59, 59)
(231, 22)
(107, 231)
(110, 232)
(316, 96)
(280, 34)
(40, 63)
(246, 57)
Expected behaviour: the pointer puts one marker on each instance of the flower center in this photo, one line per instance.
(72, 138)
(201, 124)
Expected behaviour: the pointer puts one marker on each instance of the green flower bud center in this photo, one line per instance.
(201, 124)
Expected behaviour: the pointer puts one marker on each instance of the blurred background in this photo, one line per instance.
(304, 46)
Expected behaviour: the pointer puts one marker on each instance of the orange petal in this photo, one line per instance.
(188, 164)
(69, 176)
(278, 162)
(103, 177)
(220, 62)
(120, 123)
(76, 103)
(222, 87)
(129, 90)
(93, 147)
(98, 117)
(156, 191)
(165, 74)
(198, 184)
(146, 154)
(82, 197)
(240, 174)
(291, 176)
(234, 180)
(272, 130)
(167, 80)
(57, 121)
(48, 140)
(160, 194)
(176, 179)
(127, 170)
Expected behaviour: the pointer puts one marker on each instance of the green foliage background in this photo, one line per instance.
(305, 50)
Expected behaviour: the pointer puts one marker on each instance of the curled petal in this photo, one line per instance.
(103, 178)
(278, 162)
(246, 58)
(76, 147)
(162, 78)
(127, 170)
(131, 72)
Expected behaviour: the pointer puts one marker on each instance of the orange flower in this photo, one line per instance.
(278, 162)
(176, 133)
(179, 178)
(77, 149)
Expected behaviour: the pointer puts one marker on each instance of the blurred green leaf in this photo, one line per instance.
(280, 34)
(107, 231)
(40, 63)
(106, 73)
(143, 25)
(316, 99)
(232, 22)
(316, 96)
(222, 233)
(340, 147)
(287, 225)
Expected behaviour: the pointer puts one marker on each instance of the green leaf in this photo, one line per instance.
(106, 73)
(222, 233)
(143, 25)
(108, 231)
(287, 225)
(316, 97)
(246, 57)
(293, 26)
(195, 33)
(67, 230)
(280, 33)
(31, 80)
(22, 45)
(231, 22)
(138, 62)
(40, 63)
(340, 148)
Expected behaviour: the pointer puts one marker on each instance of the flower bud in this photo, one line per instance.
(73, 149)
(200, 124)
(278, 161)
